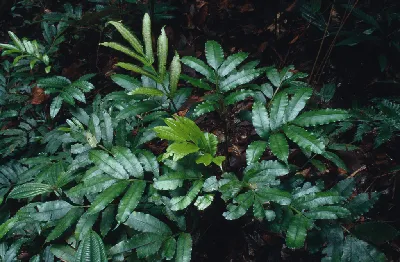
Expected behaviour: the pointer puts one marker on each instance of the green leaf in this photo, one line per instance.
(30, 190)
(345, 187)
(107, 219)
(162, 53)
(361, 204)
(273, 76)
(128, 36)
(244, 202)
(321, 117)
(304, 139)
(178, 150)
(260, 120)
(199, 66)
(278, 109)
(174, 73)
(128, 160)
(265, 169)
(51, 210)
(318, 199)
(107, 132)
(335, 159)
(170, 181)
(275, 195)
(297, 103)
(327, 92)
(210, 184)
(107, 196)
(214, 54)
(181, 202)
(125, 50)
(279, 146)
(63, 252)
(91, 249)
(203, 108)
(6, 226)
(202, 202)
(136, 69)
(334, 248)
(84, 225)
(145, 244)
(200, 83)
(297, 231)
(64, 223)
(127, 82)
(168, 248)
(146, 32)
(237, 96)
(231, 63)
(239, 78)
(254, 151)
(375, 232)
(147, 223)
(130, 200)
(55, 106)
(355, 250)
(328, 212)
(184, 248)
(17, 42)
(108, 164)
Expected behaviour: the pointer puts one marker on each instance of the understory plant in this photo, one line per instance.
(95, 189)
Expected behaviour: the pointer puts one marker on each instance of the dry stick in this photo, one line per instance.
(333, 42)
(357, 171)
(321, 45)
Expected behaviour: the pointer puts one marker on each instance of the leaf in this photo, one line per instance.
(318, 199)
(297, 231)
(162, 53)
(273, 76)
(108, 164)
(30, 190)
(361, 204)
(279, 146)
(148, 91)
(6, 226)
(146, 32)
(145, 243)
(170, 181)
(174, 73)
(345, 187)
(260, 120)
(149, 162)
(254, 151)
(200, 83)
(184, 248)
(203, 108)
(128, 36)
(51, 210)
(328, 212)
(64, 223)
(278, 109)
(125, 50)
(335, 159)
(179, 203)
(274, 195)
(107, 219)
(128, 160)
(107, 130)
(375, 232)
(130, 200)
(136, 69)
(327, 92)
(214, 54)
(199, 66)
(237, 96)
(297, 103)
(17, 42)
(55, 106)
(107, 196)
(265, 169)
(202, 202)
(147, 223)
(334, 248)
(355, 250)
(231, 63)
(91, 249)
(244, 202)
(180, 149)
(304, 139)
(63, 252)
(168, 248)
(321, 117)
(84, 225)
(239, 78)
(210, 184)
(127, 82)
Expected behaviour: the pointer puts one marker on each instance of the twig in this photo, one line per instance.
(358, 171)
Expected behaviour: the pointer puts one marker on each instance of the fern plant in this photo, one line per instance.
(222, 76)
(281, 119)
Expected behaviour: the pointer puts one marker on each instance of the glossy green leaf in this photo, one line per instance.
(214, 54)
(107, 196)
(147, 223)
(91, 248)
(279, 146)
(64, 223)
(181, 202)
(321, 117)
(297, 231)
(278, 109)
(130, 200)
(261, 121)
(30, 190)
(184, 248)
(254, 151)
(304, 139)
